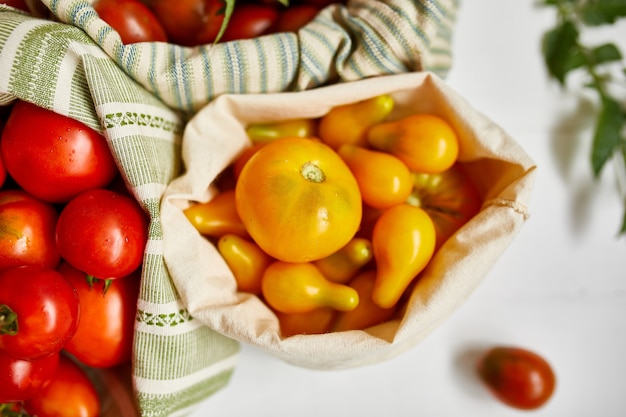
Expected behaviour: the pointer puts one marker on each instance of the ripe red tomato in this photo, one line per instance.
(132, 19)
(518, 377)
(3, 172)
(102, 233)
(189, 22)
(71, 393)
(21, 380)
(18, 4)
(54, 157)
(27, 231)
(105, 332)
(39, 311)
(249, 21)
(295, 17)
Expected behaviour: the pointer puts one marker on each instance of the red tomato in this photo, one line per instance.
(132, 19)
(18, 4)
(39, 311)
(107, 318)
(69, 394)
(3, 172)
(27, 231)
(518, 377)
(249, 21)
(54, 157)
(189, 22)
(102, 233)
(295, 17)
(21, 380)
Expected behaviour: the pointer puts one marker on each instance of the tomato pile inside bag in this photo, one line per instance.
(498, 166)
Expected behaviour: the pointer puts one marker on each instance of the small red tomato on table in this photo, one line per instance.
(518, 377)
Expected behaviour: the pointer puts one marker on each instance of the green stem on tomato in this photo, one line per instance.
(8, 321)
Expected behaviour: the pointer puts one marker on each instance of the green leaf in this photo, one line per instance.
(560, 50)
(622, 231)
(606, 138)
(606, 53)
(601, 12)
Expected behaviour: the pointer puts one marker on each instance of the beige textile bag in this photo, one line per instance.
(502, 170)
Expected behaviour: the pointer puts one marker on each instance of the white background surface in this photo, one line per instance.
(560, 288)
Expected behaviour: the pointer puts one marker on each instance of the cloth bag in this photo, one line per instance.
(140, 97)
(501, 169)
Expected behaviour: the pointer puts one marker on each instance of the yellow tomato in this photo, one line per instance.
(383, 179)
(267, 132)
(348, 124)
(246, 261)
(404, 242)
(296, 288)
(216, 217)
(298, 200)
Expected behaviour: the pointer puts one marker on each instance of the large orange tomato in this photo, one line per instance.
(298, 200)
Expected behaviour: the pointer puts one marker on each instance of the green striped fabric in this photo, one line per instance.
(140, 96)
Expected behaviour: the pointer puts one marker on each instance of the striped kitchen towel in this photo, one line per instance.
(140, 97)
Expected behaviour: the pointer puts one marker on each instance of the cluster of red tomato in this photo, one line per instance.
(71, 247)
(199, 22)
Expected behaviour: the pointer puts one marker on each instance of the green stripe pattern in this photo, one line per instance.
(139, 96)
(343, 43)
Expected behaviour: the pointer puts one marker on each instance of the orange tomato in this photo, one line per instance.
(244, 157)
(298, 200)
(367, 313)
(317, 321)
(383, 179)
(404, 242)
(425, 142)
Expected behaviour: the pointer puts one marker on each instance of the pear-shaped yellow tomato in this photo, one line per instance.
(216, 217)
(404, 242)
(298, 200)
(344, 264)
(246, 261)
(296, 288)
(348, 124)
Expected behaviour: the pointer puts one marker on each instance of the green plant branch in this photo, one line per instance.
(564, 52)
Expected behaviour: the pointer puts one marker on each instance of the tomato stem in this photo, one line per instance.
(312, 172)
(8, 321)
(12, 410)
